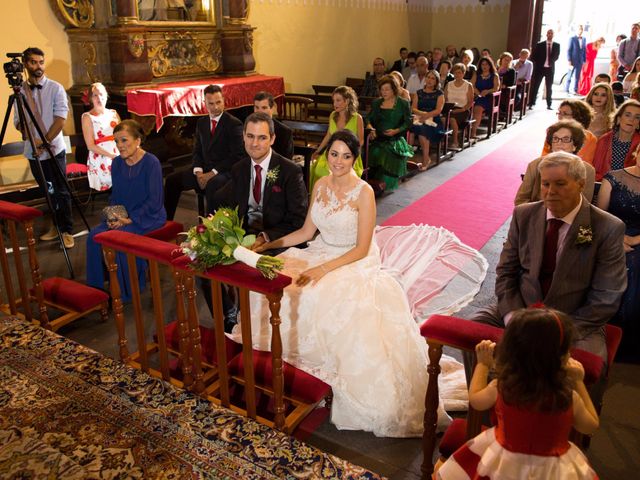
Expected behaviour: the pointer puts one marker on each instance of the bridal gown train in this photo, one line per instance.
(354, 330)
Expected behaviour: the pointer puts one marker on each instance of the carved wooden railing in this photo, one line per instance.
(205, 360)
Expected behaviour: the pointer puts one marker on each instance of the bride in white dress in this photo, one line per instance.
(344, 319)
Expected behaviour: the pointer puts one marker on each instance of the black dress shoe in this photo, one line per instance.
(549, 107)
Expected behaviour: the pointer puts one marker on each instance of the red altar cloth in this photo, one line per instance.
(186, 98)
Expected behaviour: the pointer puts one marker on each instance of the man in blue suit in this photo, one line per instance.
(576, 55)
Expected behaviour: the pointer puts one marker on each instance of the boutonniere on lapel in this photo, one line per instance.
(585, 236)
(272, 178)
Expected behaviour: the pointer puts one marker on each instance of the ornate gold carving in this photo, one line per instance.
(181, 53)
(136, 45)
(74, 13)
(248, 41)
(90, 60)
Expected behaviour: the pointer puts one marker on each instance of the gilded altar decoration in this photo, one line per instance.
(181, 53)
(90, 60)
(136, 45)
(74, 13)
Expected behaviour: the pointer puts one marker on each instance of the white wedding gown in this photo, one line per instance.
(354, 330)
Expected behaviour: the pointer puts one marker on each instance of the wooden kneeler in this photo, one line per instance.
(73, 298)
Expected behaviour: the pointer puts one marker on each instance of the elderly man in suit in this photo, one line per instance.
(563, 252)
(576, 56)
(217, 148)
(544, 57)
(268, 191)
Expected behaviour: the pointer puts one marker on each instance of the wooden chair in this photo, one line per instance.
(461, 334)
(508, 101)
(307, 136)
(526, 89)
(74, 299)
(494, 114)
(326, 90)
(466, 127)
(355, 83)
(296, 108)
(203, 360)
(442, 147)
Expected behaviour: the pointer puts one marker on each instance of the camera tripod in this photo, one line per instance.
(22, 110)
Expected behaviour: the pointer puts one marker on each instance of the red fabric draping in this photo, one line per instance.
(187, 98)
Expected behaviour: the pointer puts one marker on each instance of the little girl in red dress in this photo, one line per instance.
(538, 396)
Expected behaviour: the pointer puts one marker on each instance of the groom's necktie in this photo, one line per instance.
(550, 251)
(257, 184)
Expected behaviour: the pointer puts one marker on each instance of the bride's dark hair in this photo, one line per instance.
(350, 140)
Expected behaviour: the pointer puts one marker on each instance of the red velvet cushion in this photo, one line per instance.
(297, 384)
(207, 341)
(592, 365)
(167, 233)
(458, 332)
(454, 437)
(138, 245)
(18, 213)
(239, 275)
(76, 169)
(72, 295)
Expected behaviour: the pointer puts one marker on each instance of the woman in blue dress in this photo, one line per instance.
(485, 81)
(137, 186)
(620, 196)
(426, 106)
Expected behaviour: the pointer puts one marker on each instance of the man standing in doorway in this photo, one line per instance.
(544, 57)
(576, 56)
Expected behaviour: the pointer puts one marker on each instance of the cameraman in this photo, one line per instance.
(48, 102)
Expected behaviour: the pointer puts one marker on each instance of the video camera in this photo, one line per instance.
(13, 69)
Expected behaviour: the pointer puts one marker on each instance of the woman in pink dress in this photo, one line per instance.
(586, 76)
(538, 397)
(97, 129)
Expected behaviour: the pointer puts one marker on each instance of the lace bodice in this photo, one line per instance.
(625, 199)
(336, 216)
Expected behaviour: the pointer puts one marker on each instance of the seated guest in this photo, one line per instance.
(507, 76)
(485, 82)
(631, 77)
(615, 149)
(344, 116)
(524, 70)
(452, 55)
(370, 87)
(390, 118)
(600, 98)
(460, 93)
(217, 147)
(563, 252)
(581, 112)
(620, 196)
(426, 106)
(476, 55)
(429, 56)
(401, 63)
(486, 53)
(618, 93)
(410, 69)
(602, 78)
(467, 60)
(97, 131)
(563, 136)
(445, 72)
(437, 58)
(137, 187)
(264, 102)
(416, 81)
(635, 92)
(404, 93)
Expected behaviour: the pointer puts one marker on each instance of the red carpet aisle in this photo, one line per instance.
(476, 202)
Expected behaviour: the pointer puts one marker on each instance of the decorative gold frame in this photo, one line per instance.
(208, 56)
(74, 13)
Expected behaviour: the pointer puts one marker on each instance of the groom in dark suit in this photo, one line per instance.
(563, 252)
(268, 190)
(576, 56)
(217, 148)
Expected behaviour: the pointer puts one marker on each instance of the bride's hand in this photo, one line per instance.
(311, 276)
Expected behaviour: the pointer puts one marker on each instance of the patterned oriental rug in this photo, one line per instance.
(69, 412)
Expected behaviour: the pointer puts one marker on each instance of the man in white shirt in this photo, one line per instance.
(416, 81)
(544, 57)
(48, 101)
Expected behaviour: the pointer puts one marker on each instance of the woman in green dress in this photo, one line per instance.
(390, 118)
(344, 116)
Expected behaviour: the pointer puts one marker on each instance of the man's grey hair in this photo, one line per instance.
(575, 165)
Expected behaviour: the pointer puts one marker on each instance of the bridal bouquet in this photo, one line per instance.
(221, 240)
